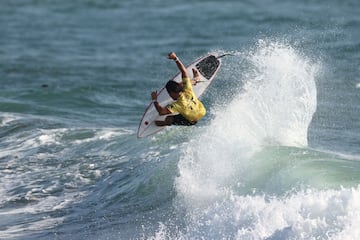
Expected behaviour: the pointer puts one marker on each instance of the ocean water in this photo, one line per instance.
(276, 157)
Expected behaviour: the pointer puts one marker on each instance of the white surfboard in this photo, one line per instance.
(207, 65)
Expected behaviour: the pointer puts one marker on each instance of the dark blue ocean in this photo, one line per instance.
(276, 157)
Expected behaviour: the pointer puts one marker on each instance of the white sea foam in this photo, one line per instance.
(310, 214)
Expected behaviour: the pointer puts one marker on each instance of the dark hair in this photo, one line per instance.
(172, 86)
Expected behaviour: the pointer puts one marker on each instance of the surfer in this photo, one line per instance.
(187, 107)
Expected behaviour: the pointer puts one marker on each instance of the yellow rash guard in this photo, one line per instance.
(188, 104)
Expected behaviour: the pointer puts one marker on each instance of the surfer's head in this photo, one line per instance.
(174, 89)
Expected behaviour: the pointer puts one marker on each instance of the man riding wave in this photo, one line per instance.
(188, 109)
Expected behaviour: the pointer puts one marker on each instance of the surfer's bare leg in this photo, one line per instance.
(195, 73)
(168, 121)
(196, 76)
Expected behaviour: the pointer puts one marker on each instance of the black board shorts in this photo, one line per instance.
(181, 120)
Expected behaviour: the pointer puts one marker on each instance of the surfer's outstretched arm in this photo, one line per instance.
(179, 64)
(161, 110)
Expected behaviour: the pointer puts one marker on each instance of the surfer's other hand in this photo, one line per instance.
(172, 56)
(154, 95)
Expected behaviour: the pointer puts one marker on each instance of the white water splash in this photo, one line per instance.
(276, 107)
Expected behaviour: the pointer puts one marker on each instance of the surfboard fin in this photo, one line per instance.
(226, 54)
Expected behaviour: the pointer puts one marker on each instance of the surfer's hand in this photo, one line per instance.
(172, 56)
(154, 96)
